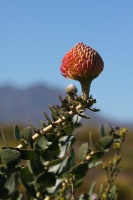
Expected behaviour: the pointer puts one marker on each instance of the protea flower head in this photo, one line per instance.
(84, 64)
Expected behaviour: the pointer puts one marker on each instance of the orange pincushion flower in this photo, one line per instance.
(81, 62)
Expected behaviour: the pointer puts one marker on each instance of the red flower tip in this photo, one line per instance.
(82, 62)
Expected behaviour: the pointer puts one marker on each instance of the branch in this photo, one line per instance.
(49, 127)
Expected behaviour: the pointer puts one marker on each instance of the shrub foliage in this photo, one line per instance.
(47, 166)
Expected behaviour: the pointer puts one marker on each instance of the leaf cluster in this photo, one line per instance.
(45, 164)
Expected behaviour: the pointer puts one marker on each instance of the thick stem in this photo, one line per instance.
(85, 89)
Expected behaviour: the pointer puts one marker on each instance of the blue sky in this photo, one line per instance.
(35, 35)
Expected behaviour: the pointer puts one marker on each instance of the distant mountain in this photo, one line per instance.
(16, 104)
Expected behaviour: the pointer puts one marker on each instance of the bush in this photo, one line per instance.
(45, 165)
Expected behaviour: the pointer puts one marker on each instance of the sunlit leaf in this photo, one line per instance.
(41, 143)
(83, 151)
(94, 164)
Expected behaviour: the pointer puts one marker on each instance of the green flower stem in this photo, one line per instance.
(85, 89)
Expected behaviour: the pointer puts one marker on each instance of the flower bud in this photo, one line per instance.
(71, 89)
(84, 64)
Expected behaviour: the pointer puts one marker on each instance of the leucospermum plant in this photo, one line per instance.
(44, 166)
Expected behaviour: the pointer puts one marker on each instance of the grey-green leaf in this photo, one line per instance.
(26, 134)
(102, 131)
(2, 180)
(27, 154)
(105, 142)
(17, 133)
(9, 157)
(55, 162)
(46, 179)
(26, 175)
(42, 143)
(83, 151)
(79, 170)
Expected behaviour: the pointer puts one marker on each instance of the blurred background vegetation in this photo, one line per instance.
(124, 181)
